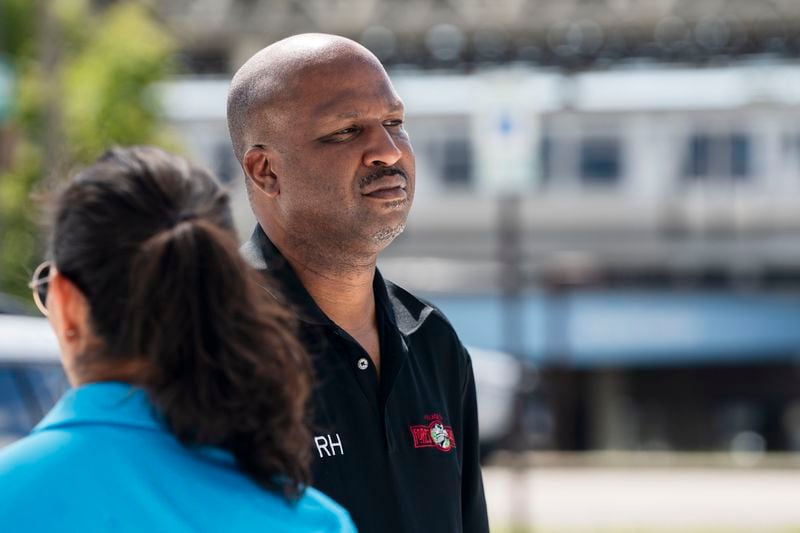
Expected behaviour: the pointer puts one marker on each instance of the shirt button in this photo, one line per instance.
(363, 363)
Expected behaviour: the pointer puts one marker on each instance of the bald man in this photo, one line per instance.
(318, 129)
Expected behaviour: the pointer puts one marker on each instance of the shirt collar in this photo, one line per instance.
(112, 403)
(106, 403)
(264, 256)
(405, 311)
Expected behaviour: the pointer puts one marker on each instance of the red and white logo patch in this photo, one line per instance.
(433, 435)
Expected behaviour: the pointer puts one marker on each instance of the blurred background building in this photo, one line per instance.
(608, 190)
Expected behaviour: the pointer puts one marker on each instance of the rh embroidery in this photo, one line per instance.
(434, 435)
(328, 445)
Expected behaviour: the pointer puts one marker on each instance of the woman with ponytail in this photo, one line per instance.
(188, 410)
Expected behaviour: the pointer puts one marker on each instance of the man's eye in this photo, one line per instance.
(342, 135)
(393, 123)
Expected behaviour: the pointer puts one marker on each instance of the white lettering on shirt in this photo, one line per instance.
(326, 443)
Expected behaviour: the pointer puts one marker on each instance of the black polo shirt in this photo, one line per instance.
(399, 453)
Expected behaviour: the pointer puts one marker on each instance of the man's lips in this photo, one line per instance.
(386, 187)
(395, 193)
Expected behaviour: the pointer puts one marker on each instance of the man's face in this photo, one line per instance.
(343, 160)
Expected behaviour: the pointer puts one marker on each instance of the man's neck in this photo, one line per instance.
(342, 291)
(347, 299)
(346, 296)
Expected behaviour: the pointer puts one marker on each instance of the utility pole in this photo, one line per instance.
(49, 37)
(512, 280)
(512, 284)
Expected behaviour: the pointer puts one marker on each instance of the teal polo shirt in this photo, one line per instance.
(102, 461)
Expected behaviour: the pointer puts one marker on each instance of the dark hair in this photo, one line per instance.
(149, 240)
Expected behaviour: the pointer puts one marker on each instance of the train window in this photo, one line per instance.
(457, 162)
(588, 161)
(556, 161)
(697, 161)
(740, 156)
(225, 162)
(601, 161)
(791, 150)
(546, 159)
(718, 157)
(444, 146)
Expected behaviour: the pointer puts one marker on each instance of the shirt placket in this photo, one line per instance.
(361, 368)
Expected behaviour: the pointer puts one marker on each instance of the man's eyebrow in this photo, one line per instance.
(349, 114)
(329, 107)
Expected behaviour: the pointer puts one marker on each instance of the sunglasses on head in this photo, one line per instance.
(40, 283)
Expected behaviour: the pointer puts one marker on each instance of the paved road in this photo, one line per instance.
(644, 499)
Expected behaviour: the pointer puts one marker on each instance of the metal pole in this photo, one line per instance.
(511, 274)
(512, 284)
(48, 36)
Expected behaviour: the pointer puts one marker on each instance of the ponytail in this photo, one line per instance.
(149, 240)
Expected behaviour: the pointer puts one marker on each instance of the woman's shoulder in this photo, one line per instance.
(37, 451)
(313, 511)
(322, 509)
(35, 471)
(37, 479)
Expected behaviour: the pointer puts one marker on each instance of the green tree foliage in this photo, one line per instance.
(102, 91)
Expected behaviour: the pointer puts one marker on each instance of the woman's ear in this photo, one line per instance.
(69, 312)
(259, 169)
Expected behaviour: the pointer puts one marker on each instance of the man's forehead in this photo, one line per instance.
(354, 102)
(343, 80)
(328, 86)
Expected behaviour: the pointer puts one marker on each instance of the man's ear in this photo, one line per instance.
(257, 166)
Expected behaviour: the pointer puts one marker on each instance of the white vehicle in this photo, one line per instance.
(31, 377)
(497, 379)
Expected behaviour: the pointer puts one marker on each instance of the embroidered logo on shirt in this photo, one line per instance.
(433, 435)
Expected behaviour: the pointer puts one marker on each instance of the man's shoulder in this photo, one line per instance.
(413, 312)
(430, 333)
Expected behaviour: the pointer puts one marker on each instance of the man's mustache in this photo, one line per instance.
(384, 171)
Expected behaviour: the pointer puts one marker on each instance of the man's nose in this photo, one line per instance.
(382, 150)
